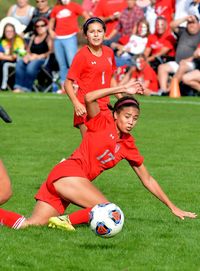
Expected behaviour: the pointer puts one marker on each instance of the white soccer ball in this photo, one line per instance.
(106, 220)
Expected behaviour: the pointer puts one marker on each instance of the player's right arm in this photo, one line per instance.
(78, 107)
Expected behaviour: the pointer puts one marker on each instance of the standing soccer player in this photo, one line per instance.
(93, 67)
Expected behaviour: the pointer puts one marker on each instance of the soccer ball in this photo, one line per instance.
(106, 220)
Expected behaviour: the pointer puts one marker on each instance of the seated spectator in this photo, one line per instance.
(144, 73)
(136, 45)
(39, 48)
(21, 11)
(127, 21)
(150, 15)
(161, 45)
(11, 46)
(188, 40)
(109, 11)
(42, 10)
(190, 68)
(89, 6)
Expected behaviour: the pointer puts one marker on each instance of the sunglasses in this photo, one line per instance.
(42, 1)
(40, 25)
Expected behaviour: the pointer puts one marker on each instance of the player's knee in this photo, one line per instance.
(4, 197)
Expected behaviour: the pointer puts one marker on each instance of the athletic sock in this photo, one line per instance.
(11, 219)
(80, 217)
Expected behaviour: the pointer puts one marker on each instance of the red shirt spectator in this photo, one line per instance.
(147, 76)
(161, 43)
(165, 8)
(66, 15)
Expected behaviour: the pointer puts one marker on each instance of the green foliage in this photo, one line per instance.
(152, 239)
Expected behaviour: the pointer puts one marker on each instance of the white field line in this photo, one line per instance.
(60, 97)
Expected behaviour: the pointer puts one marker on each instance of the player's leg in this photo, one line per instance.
(5, 184)
(81, 192)
(41, 214)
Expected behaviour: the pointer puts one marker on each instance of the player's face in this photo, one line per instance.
(126, 119)
(95, 34)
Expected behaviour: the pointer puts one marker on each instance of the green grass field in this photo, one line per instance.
(152, 238)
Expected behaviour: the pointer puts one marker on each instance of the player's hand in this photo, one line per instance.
(134, 87)
(182, 214)
(80, 109)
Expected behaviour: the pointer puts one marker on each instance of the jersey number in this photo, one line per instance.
(106, 157)
(103, 78)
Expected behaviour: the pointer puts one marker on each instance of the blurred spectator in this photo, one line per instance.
(150, 15)
(165, 8)
(127, 21)
(39, 48)
(194, 8)
(144, 73)
(11, 46)
(160, 46)
(21, 11)
(135, 45)
(63, 28)
(192, 77)
(181, 10)
(109, 11)
(188, 40)
(42, 10)
(89, 6)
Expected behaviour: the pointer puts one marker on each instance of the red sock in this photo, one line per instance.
(11, 219)
(80, 216)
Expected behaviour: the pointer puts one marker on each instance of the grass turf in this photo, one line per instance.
(152, 239)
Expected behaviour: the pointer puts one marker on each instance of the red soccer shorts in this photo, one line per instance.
(47, 192)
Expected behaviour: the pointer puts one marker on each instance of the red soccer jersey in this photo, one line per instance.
(165, 8)
(106, 8)
(101, 148)
(92, 72)
(156, 43)
(66, 18)
(147, 74)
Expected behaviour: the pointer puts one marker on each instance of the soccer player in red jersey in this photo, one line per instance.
(106, 142)
(93, 67)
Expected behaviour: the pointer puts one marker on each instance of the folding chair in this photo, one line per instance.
(48, 76)
(8, 75)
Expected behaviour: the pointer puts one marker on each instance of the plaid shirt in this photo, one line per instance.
(129, 19)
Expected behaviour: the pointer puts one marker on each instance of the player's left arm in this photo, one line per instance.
(152, 185)
(114, 84)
